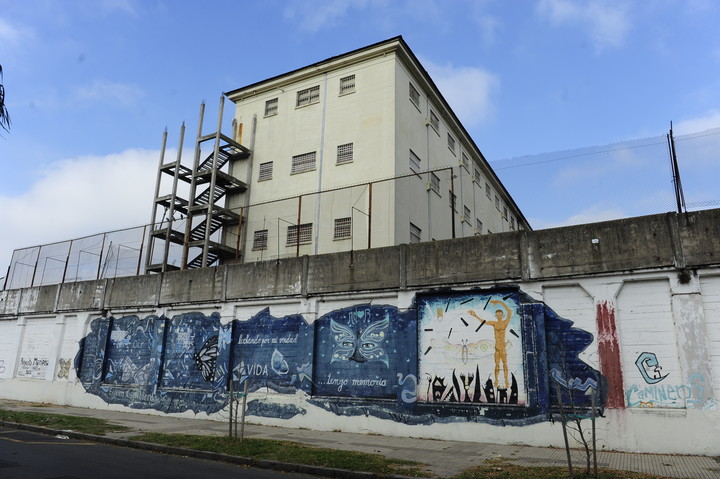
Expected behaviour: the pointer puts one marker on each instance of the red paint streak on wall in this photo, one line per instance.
(609, 350)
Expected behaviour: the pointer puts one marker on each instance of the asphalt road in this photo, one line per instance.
(28, 455)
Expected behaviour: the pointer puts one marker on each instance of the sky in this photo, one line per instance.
(92, 84)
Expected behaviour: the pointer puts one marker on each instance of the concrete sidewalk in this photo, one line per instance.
(444, 458)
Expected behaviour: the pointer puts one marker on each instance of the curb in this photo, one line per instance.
(207, 455)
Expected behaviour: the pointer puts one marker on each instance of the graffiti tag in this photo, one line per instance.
(649, 367)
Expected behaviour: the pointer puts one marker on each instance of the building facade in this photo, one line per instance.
(360, 150)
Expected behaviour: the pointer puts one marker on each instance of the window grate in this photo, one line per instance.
(451, 143)
(347, 84)
(478, 225)
(308, 96)
(344, 153)
(488, 191)
(466, 214)
(414, 162)
(260, 240)
(415, 234)
(465, 161)
(435, 183)
(434, 121)
(453, 201)
(476, 176)
(271, 107)
(302, 163)
(305, 234)
(266, 171)
(414, 95)
(343, 228)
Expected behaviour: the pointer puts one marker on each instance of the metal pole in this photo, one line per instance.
(153, 217)
(67, 260)
(453, 200)
(213, 180)
(594, 444)
(193, 187)
(102, 248)
(297, 233)
(237, 245)
(173, 195)
(562, 418)
(242, 414)
(32, 281)
(230, 421)
(142, 245)
(370, 215)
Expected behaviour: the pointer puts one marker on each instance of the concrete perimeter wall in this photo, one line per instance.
(470, 339)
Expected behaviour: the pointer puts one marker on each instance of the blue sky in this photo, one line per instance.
(91, 84)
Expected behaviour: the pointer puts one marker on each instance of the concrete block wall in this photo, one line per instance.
(643, 294)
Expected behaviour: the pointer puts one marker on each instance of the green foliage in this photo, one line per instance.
(292, 452)
(88, 425)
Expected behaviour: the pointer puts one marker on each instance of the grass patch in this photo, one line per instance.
(292, 452)
(88, 425)
(502, 470)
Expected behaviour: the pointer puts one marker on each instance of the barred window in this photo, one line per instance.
(497, 202)
(343, 228)
(347, 84)
(435, 183)
(488, 191)
(465, 161)
(434, 121)
(451, 143)
(266, 171)
(308, 96)
(512, 222)
(476, 175)
(478, 225)
(466, 214)
(414, 95)
(305, 234)
(415, 234)
(453, 201)
(344, 153)
(414, 162)
(271, 107)
(505, 215)
(304, 162)
(260, 240)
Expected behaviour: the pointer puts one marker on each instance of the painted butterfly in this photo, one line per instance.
(206, 357)
(359, 345)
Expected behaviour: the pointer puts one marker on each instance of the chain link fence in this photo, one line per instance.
(621, 180)
(626, 179)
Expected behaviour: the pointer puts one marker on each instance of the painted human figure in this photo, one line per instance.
(500, 326)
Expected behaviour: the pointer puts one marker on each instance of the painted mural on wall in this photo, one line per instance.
(471, 349)
(273, 353)
(487, 356)
(361, 350)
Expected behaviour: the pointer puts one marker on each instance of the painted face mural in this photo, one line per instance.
(494, 356)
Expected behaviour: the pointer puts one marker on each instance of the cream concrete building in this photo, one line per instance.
(355, 151)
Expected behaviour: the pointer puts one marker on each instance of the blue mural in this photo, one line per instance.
(274, 353)
(495, 356)
(361, 351)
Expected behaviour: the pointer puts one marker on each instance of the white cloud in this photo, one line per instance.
(606, 23)
(468, 90)
(694, 125)
(124, 94)
(594, 214)
(78, 197)
(12, 37)
(313, 16)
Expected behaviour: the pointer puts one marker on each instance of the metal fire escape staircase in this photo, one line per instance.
(204, 217)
